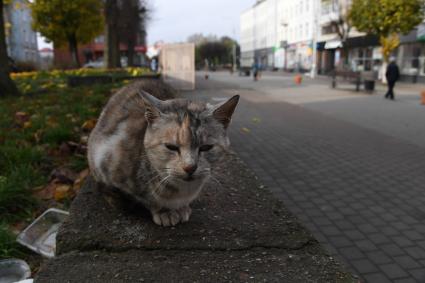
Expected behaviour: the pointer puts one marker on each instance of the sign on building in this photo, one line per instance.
(178, 65)
(421, 32)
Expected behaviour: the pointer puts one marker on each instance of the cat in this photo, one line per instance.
(160, 153)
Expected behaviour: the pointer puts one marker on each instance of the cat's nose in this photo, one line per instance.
(190, 169)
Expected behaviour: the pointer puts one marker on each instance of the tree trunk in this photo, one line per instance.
(112, 49)
(73, 50)
(383, 71)
(131, 44)
(7, 86)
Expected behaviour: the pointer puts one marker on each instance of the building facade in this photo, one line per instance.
(21, 39)
(282, 34)
(298, 21)
(258, 35)
(278, 34)
(364, 51)
(94, 52)
(411, 55)
(356, 51)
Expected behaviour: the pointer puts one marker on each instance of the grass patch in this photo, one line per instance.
(78, 163)
(33, 129)
(8, 245)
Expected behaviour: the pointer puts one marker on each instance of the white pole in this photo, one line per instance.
(234, 55)
(234, 49)
(315, 29)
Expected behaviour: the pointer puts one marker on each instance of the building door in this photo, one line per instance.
(329, 57)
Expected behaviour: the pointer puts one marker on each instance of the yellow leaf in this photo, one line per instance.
(38, 135)
(256, 120)
(27, 124)
(246, 130)
(61, 192)
(89, 124)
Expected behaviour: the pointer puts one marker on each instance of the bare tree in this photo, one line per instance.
(7, 87)
(112, 43)
(340, 22)
(134, 17)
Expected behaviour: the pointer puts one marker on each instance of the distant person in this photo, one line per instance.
(392, 75)
(154, 65)
(255, 70)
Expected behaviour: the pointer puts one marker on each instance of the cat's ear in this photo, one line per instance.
(152, 106)
(224, 111)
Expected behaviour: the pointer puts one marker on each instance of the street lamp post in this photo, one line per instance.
(316, 11)
(285, 26)
(234, 55)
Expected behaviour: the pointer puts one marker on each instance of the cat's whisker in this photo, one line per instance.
(216, 181)
(153, 179)
(161, 185)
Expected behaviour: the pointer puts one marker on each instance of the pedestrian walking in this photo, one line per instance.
(256, 68)
(154, 65)
(254, 71)
(392, 74)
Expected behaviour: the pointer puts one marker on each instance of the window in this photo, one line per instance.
(307, 31)
(306, 5)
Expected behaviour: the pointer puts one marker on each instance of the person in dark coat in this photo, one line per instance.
(392, 75)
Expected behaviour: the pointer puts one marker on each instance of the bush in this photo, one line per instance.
(25, 66)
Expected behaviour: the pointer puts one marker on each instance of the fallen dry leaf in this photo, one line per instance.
(84, 139)
(256, 120)
(62, 192)
(51, 121)
(89, 124)
(246, 130)
(63, 175)
(77, 147)
(37, 135)
(80, 180)
(46, 192)
(64, 149)
(21, 117)
(83, 174)
(27, 124)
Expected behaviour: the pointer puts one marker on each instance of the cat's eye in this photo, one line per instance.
(172, 147)
(206, 147)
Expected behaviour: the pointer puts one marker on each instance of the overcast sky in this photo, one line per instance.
(175, 20)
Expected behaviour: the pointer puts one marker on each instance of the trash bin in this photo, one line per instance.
(369, 85)
(369, 78)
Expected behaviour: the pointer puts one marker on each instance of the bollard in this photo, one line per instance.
(423, 97)
(298, 79)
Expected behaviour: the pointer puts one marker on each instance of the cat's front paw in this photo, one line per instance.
(172, 217)
(185, 213)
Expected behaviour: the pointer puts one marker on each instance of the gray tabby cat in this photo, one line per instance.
(159, 152)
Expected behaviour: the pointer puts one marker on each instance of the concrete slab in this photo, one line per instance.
(237, 231)
(257, 265)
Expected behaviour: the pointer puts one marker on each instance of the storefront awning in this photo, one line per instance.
(333, 44)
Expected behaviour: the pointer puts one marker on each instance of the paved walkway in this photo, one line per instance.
(361, 192)
(402, 118)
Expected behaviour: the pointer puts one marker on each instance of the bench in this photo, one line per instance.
(367, 77)
(353, 77)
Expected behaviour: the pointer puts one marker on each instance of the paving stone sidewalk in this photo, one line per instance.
(360, 192)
